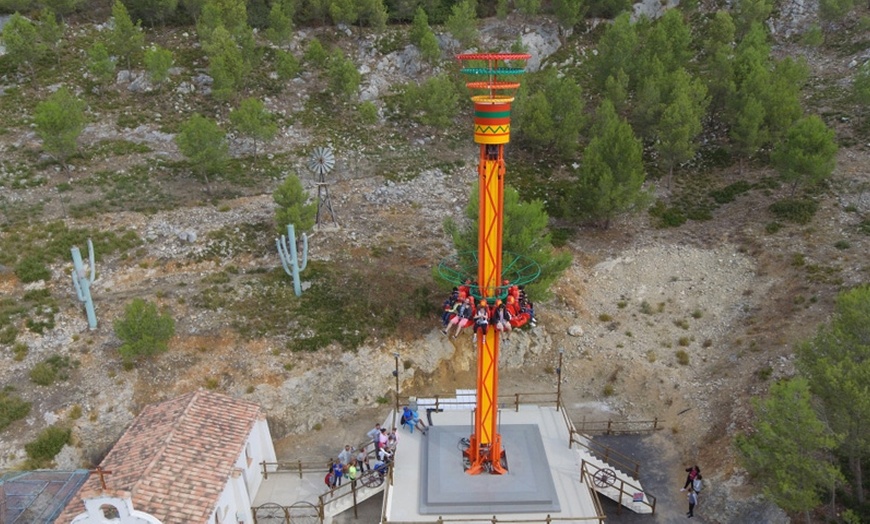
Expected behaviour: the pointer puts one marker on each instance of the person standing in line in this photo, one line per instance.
(362, 460)
(346, 455)
(693, 499)
(374, 433)
(383, 439)
(693, 472)
(337, 473)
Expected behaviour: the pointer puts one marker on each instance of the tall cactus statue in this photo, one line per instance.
(290, 261)
(82, 281)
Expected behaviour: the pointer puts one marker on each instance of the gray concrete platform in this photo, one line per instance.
(573, 501)
(447, 489)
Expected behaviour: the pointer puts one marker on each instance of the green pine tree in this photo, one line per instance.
(158, 62)
(60, 120)
(836, 363)
(204, 144)
(616, 50)
(681, 121)
(100, 64)
(462, 23)
(525, 233)
(143, 330)
(787, 453)
(253, 121)
(22, 42)
(126, 39)
(293, 206)
(612, 173)
(808, 153)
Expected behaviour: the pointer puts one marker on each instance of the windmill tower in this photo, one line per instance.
(320, 163)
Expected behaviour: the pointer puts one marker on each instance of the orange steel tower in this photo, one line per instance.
(493, 93)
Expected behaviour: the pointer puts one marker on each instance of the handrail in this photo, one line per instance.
(503, 400)
(298, 467)
(625, 463)
(586, 478)
(347, 489)
(621, 489)
(612, 427)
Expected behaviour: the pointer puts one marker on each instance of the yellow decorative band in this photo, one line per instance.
(492, 130)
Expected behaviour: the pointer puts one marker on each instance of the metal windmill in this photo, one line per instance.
(320, 163)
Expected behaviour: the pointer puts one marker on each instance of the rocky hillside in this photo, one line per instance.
(683, 324)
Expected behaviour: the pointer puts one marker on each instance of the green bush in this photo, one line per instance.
(51, 369)
(682, 357)
(143, 330)
(799, 211)
(668, 216)
(12, 408)
(32, 269)
(43, 374)
(730, 192)
(48, 444)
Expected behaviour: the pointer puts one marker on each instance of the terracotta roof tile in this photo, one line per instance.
(176, 456)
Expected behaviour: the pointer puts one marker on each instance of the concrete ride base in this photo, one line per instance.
(445, 488)
(542, 482)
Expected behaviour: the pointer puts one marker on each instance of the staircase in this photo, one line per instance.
(614, 483)
(342, 498)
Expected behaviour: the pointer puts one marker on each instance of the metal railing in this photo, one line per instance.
(506, 401)
(495, 520)
(514, 400)
(589, 471)
(618, 427)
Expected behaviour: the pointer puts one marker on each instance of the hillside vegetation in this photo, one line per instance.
(161, 129)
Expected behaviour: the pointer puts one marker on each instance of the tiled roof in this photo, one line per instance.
(177, 456)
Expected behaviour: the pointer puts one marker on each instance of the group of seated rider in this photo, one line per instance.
(461, 311)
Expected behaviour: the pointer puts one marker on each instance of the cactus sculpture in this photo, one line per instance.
(82, 281)
(287, 252)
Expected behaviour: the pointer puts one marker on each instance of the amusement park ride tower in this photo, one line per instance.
(493, 86)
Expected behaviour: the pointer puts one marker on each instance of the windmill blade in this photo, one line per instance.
(321, 161)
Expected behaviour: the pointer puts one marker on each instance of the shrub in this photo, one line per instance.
(75, 412)
(315, 54)
(43, 374)
(51, 369)
(842, 244)
(697, 314)
(684, 341)
(608, 390)
(772, 227)
(646, 308)
(764, 373)
(48, 444)
(799, 211)
(368, 113)
(19, 351)
(651, 356)
(604, 317)
(682, 357)
(143, 330)
(12, 408)
(32, 269)
(729, 192)
(668, 216)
